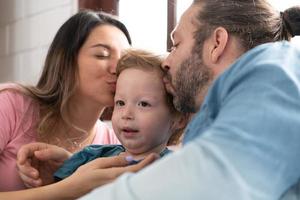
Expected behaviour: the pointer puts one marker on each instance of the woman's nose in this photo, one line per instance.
(113, 66)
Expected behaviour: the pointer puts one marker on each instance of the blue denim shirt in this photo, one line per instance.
(244, 143)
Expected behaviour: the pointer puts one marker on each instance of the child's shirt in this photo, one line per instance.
(91, 153)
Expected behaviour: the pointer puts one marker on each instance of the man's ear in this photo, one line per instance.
(219, 40)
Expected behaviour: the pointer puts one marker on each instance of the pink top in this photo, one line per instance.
(18, 118)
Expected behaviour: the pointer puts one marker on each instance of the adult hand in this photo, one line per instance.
(99, 172)
(38, 161)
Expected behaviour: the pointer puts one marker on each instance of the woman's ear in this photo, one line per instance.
(219, 40)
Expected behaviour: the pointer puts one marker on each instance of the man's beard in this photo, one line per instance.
(191, 83)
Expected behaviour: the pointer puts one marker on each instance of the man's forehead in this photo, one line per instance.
(187, 21)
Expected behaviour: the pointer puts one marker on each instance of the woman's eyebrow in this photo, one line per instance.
(101, 45)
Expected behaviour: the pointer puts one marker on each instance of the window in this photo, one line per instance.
(182, 5)
(147, 23)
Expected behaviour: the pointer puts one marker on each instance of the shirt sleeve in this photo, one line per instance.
(7, 118)
(250, 150)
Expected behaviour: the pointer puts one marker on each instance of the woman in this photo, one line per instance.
(77, 83)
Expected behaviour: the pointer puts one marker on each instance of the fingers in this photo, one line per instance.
(29, 182)
(119, 161)
(104, 170)
(31, 156)
(117, 171)
(43, 152)
(29, 175)
(28, 170)
(27, 151)
(145, 162)
(108, 162)
(54, 153)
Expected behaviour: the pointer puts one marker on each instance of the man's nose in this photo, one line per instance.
(165, 66)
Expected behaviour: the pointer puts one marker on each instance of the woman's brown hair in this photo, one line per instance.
(58, 81)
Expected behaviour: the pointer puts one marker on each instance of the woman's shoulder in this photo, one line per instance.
(10, 87)
(105, 134)
(18, 114)
(14, 94)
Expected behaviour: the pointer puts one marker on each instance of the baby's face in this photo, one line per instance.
(141, 118)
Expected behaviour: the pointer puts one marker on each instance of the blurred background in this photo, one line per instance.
(28, 26)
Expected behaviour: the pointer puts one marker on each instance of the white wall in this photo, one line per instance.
(26, 29)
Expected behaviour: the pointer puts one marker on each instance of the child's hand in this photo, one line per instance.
(37, 162)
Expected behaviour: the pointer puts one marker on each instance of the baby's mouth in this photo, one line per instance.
(129, 132)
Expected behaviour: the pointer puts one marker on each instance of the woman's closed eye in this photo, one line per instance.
(173, 47)
(102, 56)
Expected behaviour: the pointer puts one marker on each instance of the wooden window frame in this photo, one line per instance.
(109, 6)
(172, 20)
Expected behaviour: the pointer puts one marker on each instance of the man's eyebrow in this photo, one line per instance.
(101, 45)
